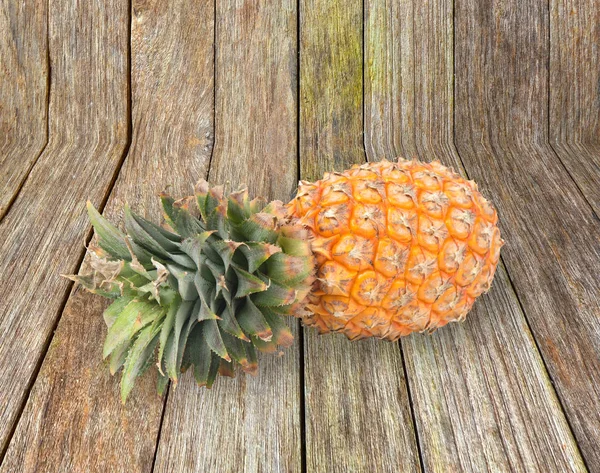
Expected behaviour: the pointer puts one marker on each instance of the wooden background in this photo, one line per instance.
(112, 102)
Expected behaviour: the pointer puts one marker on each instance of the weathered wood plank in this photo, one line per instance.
(247, 424)
(389, 79)
(476, 387)
(24, 93)
(74, 420)
(357, 407)
(575, 91)
(574, 71)
(331, 132)
(552, 254)
(41, 236)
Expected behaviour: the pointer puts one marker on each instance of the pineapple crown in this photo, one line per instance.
(206, 293)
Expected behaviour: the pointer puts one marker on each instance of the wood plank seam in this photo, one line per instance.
(70, 289)
(160, 426)
(544, 363)
(412, 410)
(334, 137)
(453, 149)
(561, 161)
(549, 130)
(244, 144)
(299, 327)
(214, 117)
(574, 96)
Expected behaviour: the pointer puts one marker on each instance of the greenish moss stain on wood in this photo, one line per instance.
(330, 86)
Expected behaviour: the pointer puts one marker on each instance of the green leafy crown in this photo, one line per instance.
(207, 293)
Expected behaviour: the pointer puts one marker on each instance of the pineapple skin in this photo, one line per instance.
(400, 247)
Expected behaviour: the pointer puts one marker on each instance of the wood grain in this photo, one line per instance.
(249, 424)
(574, 71)
(41, 236)
(357, 407)
(74, 420)
(24, 93)
(552, 254)
(389, 79)
(476, 387)
(575, 91)
(331, 132)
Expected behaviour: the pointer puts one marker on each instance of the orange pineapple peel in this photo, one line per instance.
(400, 247)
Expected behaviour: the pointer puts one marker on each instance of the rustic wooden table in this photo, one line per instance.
(113, 102)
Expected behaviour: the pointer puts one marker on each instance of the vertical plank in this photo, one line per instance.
(24, 93)
(575, 91)
(41, 236)
(433, 80)
(331, 131)
(476, 387)
(389, 79)
(73, 420)
(357, 408)
(249, 424)
(553, 237)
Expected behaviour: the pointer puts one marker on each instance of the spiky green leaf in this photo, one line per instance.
(172, 359)
(200, 355)
(212, 334)
(257, 253)
(252, 321)
(247, 283)
(275, 295)
(138, 358)
(136, 315)
(229, 324)
(110, 239)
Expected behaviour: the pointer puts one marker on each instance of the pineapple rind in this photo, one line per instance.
(401, 247)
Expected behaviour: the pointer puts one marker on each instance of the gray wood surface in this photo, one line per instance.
(357, 407)
(250, 424)
(74, 420)
(553, 249)
(23, 93)
(246, 91)
(41, 237)
(476, 387)
(575, 91)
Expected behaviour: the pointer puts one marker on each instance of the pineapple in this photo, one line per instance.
(400, 247)
(381, 250)
(206, 293)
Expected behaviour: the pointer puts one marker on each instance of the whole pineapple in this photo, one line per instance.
(395, 248)
(400, 247)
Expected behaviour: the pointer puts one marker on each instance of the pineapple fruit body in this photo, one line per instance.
(400, 247)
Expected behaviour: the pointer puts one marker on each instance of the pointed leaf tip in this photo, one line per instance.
(201, 187)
